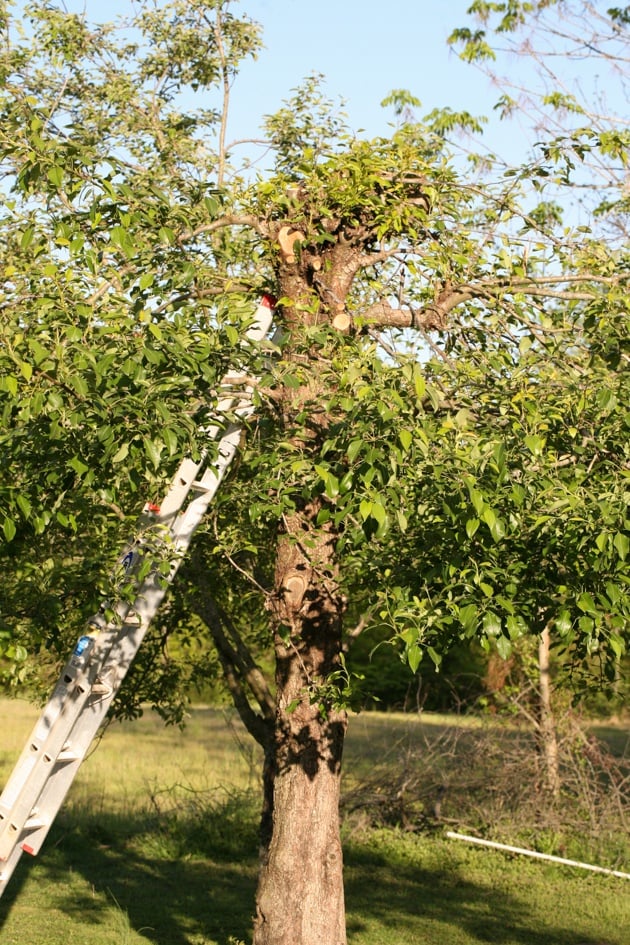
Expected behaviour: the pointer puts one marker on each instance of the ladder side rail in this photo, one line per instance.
(73, 675)
(63, 717)
(113, 645)
(7, 868)
(47, 793)
(178, 491)
(57, 718)
(39, 759)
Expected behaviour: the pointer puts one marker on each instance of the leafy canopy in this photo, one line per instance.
(475, 463)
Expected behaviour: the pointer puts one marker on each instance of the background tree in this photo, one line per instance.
(476, 491)
(585, 133)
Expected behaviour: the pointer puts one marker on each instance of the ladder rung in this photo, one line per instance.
(67, 755)
(132, 619)
(35, 823)
(200, 486)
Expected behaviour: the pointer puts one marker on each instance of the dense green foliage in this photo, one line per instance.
(475, 465)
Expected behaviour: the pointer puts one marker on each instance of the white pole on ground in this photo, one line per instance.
(533, 853)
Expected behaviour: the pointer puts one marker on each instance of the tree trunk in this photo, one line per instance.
(300, 897)
(548, 734)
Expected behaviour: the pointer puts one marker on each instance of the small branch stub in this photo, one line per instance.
(342, 321)
(287, 238)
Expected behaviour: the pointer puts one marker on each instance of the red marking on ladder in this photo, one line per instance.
(28, 849)
(152, 507)
(269, 301)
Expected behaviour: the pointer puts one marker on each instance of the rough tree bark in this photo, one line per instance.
(300, 893)
(300, 898)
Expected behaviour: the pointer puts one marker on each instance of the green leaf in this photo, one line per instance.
(55, 175)
(153, 449)
(121, 238)
(155, 330)
(621, 543)
(406, 439)
(11, 384)
(27, 237)
(378, 512)
(78, 465)
(167, 236)
(535, 444)
(419, 384)
(563, 623)
(468, 617)
(586, 603)
(515, 627)
(435, 657)
(494, 523)
(504, 647)
(606, 400)
(617, 645)
(24, 505)
(477, 500)
(121, 454)
(602, 541)
(471, 526)
(332, 486)
(170, 439)
(613, 592)
(489, 517)
(9, 529)
(354, 449)
(365, 509)
(491, 624)
(497, 529)
(414, 657)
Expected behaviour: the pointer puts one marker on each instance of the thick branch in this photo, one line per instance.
(230, 219)
(431, 317)
(239, 668)
(434, 316)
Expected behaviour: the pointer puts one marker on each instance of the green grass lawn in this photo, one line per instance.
(156, 844)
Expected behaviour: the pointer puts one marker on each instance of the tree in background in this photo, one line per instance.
(585, 133)
(440, 444)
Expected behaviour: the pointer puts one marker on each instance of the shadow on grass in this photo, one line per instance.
(175, 883)
(408, 904)
(189, 879)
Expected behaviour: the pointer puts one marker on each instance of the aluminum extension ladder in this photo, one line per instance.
(96, 668)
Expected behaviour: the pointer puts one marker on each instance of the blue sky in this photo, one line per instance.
(365, 50)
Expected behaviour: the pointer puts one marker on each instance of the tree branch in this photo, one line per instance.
(218, 35)
(434, 316)
(238, 665)
(230, 219)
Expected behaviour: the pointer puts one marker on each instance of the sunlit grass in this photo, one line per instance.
(157, 845)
